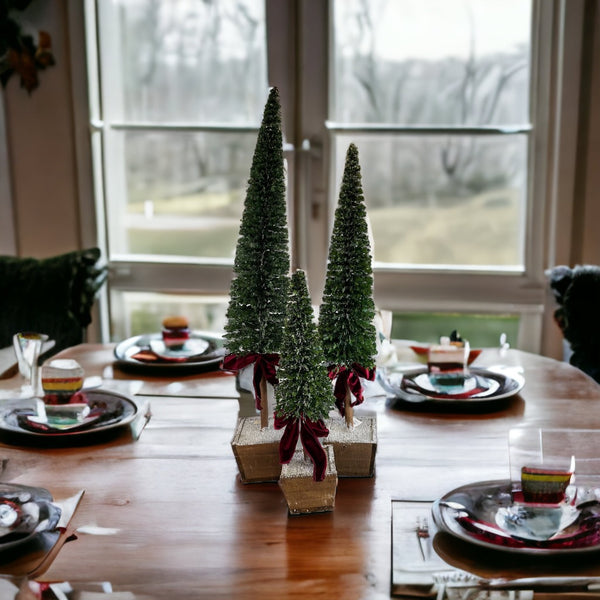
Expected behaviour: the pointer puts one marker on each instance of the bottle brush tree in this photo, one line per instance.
(258, 293)
(347, 311)
(303, 395)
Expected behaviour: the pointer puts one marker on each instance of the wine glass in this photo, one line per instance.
(28, 347)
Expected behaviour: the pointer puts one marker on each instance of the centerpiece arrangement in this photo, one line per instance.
(346, 325)
(258, 296)
(303, 400)
(325, 363)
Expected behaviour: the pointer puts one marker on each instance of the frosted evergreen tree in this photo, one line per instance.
(347, 311)
(303, 395)
(258, 293)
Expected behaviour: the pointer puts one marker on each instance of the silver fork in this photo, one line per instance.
(422, 531)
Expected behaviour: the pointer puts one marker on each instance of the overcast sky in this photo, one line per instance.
(434, 29)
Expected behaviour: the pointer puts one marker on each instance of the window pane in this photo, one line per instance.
(443, 200)
(431, 62)
(185, 60)
(137, 313)
(185, 192)
(482, 331)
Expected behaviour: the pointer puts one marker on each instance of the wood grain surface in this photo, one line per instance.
(169, 518)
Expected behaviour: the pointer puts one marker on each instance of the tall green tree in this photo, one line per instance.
(346, 315)
(303, 395)
(258, 293)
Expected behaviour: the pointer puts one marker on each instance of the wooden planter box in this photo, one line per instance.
(304, 495)
(354, 448)
(256, 450)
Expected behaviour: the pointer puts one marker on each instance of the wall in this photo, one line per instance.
(590, 190)
(41, 155)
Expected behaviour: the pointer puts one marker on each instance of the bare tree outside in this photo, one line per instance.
(194, 63)
(455, 198)
(433, 198)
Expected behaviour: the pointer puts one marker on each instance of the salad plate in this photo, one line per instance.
(24, 512)
(203, 351)
(481, 389)
(485, 514)
(93, 412)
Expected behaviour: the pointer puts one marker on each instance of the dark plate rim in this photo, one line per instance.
(43, 498)
(439, 514)
(510, 385)
(208, 364)
(7, 427)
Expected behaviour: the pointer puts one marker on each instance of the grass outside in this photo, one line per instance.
(481, 230)
(476, 231)
(204, 204)
(481, 330)
(216, 242)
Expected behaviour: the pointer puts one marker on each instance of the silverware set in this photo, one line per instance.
(454, 584)
(422, 530)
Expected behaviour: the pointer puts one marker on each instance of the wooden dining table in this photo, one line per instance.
(166, 515)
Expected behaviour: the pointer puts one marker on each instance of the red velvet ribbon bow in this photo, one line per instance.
(310, 432)
(264, 366)
(349, 377)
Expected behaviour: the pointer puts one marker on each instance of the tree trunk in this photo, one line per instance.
(348, 408)
(264, 412)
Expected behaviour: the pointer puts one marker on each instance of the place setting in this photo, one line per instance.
(176, 349)
(442, 377)
(60, 406)
(33, 528)
(539, 528)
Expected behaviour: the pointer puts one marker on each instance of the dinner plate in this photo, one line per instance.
(204, 351)
(483, 389)
(109, 409)
(490, 518)
(36, 514)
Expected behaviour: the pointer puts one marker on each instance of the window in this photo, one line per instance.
(445, 99)
(448, 82)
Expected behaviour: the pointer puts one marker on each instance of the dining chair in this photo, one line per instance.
(577, 294)
(53, 295)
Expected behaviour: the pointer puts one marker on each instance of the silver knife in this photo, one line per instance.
(553, 583)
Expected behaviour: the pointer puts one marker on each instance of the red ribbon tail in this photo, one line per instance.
(269, 366)
(258, 375)
(309, 435)
(356, 385)
(370, 376)
(289, 439)
(339, 391)
(264, 366)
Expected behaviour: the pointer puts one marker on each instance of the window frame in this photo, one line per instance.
(557, 30)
